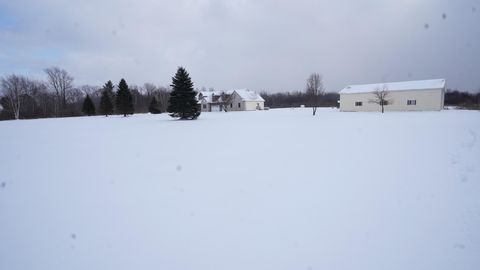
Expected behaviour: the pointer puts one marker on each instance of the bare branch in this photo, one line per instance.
(60, 82)
(381, 97)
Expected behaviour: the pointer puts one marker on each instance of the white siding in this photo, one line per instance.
(205, 106)
(237, 103)
(253, 105)
(426, 100)
(215, 108)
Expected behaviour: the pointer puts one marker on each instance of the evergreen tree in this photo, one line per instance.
(88, 107)
(124, 100)
(106, 105)
(153, 107)
(109, 88)
(183, 102)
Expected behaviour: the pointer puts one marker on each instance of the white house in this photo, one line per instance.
(426, 95)
(245, 100)
(212, 101)
(232, 100)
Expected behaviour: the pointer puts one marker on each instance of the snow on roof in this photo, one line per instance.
(395, 86)
(247, 95)
(208, 95)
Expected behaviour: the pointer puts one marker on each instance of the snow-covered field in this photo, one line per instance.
(277, 189)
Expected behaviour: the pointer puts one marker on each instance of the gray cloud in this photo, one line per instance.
(262, 45)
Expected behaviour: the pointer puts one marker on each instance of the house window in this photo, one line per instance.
(358, 103)
(204, 106)
(231, 105)
(411, 102)
(385, 102)
(239, 105)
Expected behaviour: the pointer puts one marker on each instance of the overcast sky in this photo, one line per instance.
(270, 45)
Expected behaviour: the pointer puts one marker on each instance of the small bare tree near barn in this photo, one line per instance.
(314, 90)
(381, 97)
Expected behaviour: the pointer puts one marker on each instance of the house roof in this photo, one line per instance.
(395, 86)
(208, 95)
(247, 95)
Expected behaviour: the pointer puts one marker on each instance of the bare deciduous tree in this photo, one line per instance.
(381, 97)
(32, 102)
(75, 95)
(13, 87)
(92, 91)
(61, 82)
(150, 89)
(314, 90)
(163, 95)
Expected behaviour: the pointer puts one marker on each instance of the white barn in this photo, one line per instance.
(426, 95)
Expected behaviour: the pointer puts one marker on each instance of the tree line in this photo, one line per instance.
(462, 99)
(23, 97)
(298, 98)
(313, 97)
(26, 98)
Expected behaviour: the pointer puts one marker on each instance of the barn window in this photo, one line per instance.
(358, 103)
(411, 102)
(239, 105)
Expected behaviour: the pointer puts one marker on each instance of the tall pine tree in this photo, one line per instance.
(106, 105)
(88, 107)
(124, 99)
(109, 88)
(183, 102)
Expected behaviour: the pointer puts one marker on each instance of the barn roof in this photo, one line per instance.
(395, 86)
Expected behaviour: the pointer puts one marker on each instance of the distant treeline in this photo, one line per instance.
(22, 97)
(296, 99)
(462, 99)
(41, 103)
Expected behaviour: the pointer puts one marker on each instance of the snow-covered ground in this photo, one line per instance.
(277, 189)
